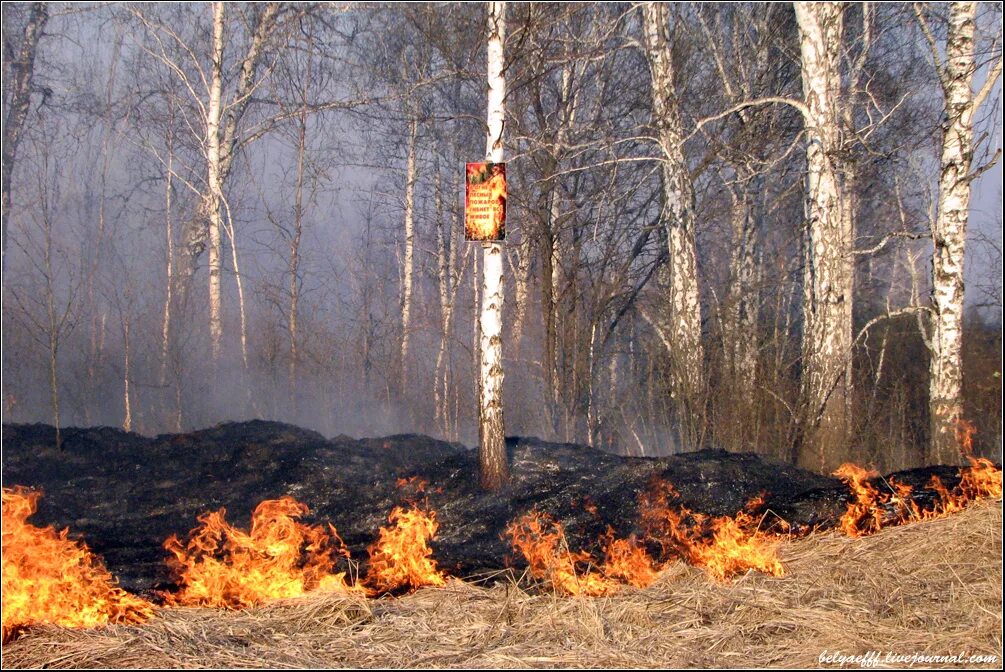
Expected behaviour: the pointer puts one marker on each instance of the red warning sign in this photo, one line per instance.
(485, 201)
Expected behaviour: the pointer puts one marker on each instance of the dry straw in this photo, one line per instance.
(933, 587)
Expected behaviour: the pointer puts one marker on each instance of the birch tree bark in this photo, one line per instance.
(213, 182)
(23, 70)
(221, 120)
(409, 260)
(828, 266)
(169, 246)
(949, 231)
(742, 301)
(491, 432)
(684, 315)
(293, 319)
(447, 283)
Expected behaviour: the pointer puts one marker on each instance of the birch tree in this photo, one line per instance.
(957, 74)
(214, 185)
(683, 321)
(22, 71)
(221, 115)
(828, 273)
(491, 432)
(409, 261)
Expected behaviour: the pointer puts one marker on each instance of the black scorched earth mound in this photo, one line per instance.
(125, 493)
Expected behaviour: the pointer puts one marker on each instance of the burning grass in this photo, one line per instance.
(871, 507)
(721, 545)
(220, 565)
(49, 578)
(401, 557)
(930, 587)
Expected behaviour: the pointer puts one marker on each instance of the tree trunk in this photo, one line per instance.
(213, 191)
(491, 434)
(169, 254)
(828, 267)
(127, 421)
(406, 284)
(292, 321)
(684, 314)
(742, 300)
(446, 286)
(23, 70)
(207, 217)
(949, 238)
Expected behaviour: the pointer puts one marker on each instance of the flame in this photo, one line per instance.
(965, 436)
(222, 566)
(48, 578)
(733, 549)
(862, 516)
(721, 545)
(627, 560)
(982, 479)
(541, 540)
(869, 509)
(401, 556)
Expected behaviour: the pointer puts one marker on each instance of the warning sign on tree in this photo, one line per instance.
(485, 201)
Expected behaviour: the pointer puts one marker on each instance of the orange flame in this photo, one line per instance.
(627, 560)
(721, 545)
(862, 516)
(869, 509)
(222, 566)
(982, 479)
(965, 436)
(541, 540)
(401, 556)
(48, 578)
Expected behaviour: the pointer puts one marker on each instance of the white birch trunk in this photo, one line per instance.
(446, 286)
(127, 421)
(742, 302)
(169, 260)
(22, 70)
(238, 278)
(294, 264)
(406, 285)
(687, 353)
(492, 444)
(949, 237)
(828, 266)
(521, 295)
(213, 184)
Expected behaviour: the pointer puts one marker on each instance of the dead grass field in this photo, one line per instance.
(929, 588)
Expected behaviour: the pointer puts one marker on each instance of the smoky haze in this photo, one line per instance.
(101, 327)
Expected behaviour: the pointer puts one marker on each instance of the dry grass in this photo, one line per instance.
(932, 588)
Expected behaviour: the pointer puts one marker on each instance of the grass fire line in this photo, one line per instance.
(49, 578)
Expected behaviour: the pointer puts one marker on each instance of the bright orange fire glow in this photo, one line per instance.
(627, 560)
(223, 566)
(982, 479)
(541, 540)
(401, 556)
(863, 516)
(721, 545)
(48, 578)
(871, 509)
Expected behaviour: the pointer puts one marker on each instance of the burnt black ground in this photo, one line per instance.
(124, 494)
